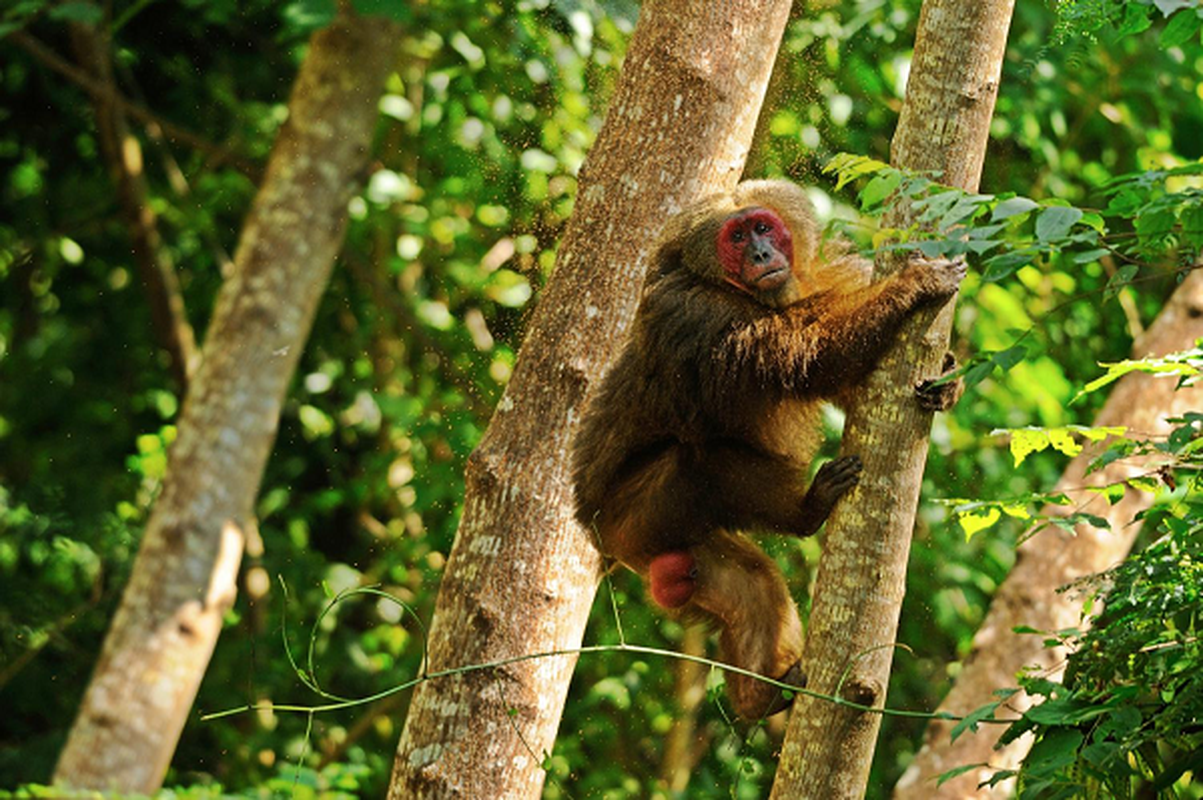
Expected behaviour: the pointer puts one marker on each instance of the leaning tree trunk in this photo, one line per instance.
(522, 573)
(944, 126)
(184, 578)
(1053, 559)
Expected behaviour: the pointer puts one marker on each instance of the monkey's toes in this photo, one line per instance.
(794, 677)
(938, 397)
(840, 474)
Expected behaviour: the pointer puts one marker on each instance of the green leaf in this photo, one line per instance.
(979, 519)
(877, 190)
(1013, 207)
(1058, 748)
(1125, 203)
(1155, 222)
(978, 373)
(1061, 440)
(1122, 277)
(1091, 255)
(1055, 222)
(1025, 441)
(1094, 221)
(1097, 433)
(974, 718)
(848, 167)
(1191, 219)
(1136, 19)
(1113, 492)
(964, 208)
(954, 773)
(1006, 359)
(1002, 266)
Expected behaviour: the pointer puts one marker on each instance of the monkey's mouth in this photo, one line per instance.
(771, 278)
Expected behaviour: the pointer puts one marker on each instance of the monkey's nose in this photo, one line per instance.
(759, 254)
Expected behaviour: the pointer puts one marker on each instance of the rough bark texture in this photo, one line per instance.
(944, 126)
(522, 574)
(1055, 558)
(184, 579)
(123, 155)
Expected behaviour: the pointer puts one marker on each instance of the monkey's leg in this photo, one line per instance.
(654, 509)
(749, 489)
(742, 589)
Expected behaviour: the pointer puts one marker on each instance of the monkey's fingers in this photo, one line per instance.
(939, 277)
(942, 396)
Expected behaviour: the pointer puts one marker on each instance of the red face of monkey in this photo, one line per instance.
(756, 250)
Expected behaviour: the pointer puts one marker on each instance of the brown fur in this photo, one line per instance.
(709, 419)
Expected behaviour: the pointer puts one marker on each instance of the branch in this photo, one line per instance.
(175, 133)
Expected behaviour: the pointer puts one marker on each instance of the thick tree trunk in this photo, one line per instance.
(944, 126)
(1054, 558)
(123, 154)
(184, 578)
(522, 574)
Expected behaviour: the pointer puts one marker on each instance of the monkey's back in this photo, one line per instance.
(665, 393)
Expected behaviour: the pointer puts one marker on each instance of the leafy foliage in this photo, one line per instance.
(1127, 714)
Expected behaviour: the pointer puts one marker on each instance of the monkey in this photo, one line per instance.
(705, 427)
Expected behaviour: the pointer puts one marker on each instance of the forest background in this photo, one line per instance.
(483, 127)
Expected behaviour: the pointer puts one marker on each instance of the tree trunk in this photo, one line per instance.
(1053, 558)
(123, 155)
(184, 578)
(522, 573)
(944, 126)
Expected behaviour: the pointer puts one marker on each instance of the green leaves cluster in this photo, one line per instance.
(1123, 723)
(1127, 714)
(1145, 218)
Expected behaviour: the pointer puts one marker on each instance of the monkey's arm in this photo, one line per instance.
(828, 341)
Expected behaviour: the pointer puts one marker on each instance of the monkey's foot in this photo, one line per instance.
(794, 677)
(940, 397)
(833, 480)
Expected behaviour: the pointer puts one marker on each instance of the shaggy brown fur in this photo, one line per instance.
(707, 424)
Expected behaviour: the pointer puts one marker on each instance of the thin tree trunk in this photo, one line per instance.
(944, 126)
(183, 581)
(522, 573)
(1054, 558)
(123, 154)
(683, 746)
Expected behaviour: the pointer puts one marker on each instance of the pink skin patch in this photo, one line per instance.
(673, 577)
(755, 248)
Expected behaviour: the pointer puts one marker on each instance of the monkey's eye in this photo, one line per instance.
(761, 228)
(737, 236)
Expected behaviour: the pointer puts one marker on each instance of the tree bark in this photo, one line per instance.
(123, 155)
(522, 573)
(183, 581)
(1054, 558)
(944, 126)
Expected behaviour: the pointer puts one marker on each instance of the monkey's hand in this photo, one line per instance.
(936, 279)
(942, 396)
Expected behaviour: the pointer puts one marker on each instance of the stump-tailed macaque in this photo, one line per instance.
(706, 425)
